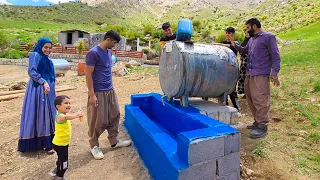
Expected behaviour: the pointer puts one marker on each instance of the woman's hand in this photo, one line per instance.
(46, 88)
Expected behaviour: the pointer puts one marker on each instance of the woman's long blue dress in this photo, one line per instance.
(38, 111)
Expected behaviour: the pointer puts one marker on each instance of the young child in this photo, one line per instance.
(62, 136)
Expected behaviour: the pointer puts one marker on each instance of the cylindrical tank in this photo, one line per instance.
(184, 30)
(61, 66)
(197, 70)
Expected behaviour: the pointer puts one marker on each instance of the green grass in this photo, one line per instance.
(315, 121)
(316, 86)
(259, 149)
(43, 25)
(311, 32)
(314, 137)
(301, 56)
(308, 163)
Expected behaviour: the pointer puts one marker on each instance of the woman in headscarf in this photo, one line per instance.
(243, 65)
(38, 111)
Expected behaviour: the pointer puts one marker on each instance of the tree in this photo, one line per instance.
(196, 25)
(4, 40)
(157, 33)
(147, 29)
(205, 33)
(80, 47)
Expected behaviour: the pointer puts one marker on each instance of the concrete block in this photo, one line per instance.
(233, 176)
(201, 171)
(207, 149)
(228, 164)
(232, 143)
(220, 112)
(75, 60)
(234, 117)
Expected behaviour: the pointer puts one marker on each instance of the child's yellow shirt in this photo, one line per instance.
(62, 132)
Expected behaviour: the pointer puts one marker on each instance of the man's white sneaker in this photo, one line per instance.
(96, 152)
(122, 143)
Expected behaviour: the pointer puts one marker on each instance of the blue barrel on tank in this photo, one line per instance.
(184, 31)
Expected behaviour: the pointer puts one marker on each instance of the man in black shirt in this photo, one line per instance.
(233, 96)
(168, 34)
(230, 30)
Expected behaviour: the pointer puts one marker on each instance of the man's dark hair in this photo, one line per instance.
(166, 25)
(230, 29)
(253, 21)
(113, 35)
(59, 100)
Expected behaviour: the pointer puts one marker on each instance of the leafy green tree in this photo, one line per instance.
(4, 40)
(197, 25)
(157, 33)
(206, 33)
(133, 34)
(80, 47)
(147, 29)
(120, 29)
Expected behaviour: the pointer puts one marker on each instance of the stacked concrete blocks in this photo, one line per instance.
(222, 113)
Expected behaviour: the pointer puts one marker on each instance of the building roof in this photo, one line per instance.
(72, 30)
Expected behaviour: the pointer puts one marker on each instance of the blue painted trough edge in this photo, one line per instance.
(174, 142)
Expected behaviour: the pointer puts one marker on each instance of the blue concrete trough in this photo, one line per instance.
(177, 142)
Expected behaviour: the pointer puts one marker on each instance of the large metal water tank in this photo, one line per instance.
(61, 66)
(197, 70)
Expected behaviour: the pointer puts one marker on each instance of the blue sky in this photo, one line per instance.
(32, 2)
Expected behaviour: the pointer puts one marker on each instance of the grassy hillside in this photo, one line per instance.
(311, 32)
(28, 23)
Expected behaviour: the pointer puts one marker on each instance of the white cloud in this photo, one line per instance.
(57, 1)
(4, 2)
(35, 0)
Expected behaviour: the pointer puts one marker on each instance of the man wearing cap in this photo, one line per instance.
(168, 34)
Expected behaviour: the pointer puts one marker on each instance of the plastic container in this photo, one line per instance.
(184, 31)
(114, 60)
(81, 68)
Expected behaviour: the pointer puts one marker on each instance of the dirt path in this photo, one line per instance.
(122, 164)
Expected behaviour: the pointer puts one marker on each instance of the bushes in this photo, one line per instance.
(147, 29)
(156, 33)
(13, 54)
(4, 40)
(237, 36)
(145, 51)
(80, 47)
(316, 86)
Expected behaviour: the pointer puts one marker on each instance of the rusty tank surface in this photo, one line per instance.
(189, 69)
